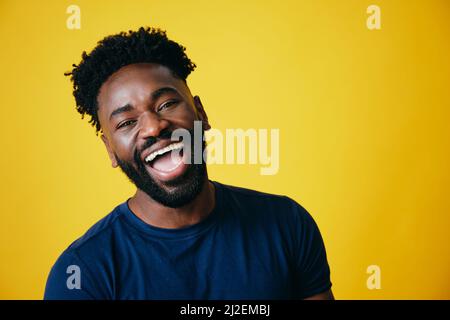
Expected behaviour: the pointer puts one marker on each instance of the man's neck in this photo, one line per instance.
(160, 216)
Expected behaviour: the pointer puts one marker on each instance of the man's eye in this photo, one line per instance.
(166, 105)
(125, 123)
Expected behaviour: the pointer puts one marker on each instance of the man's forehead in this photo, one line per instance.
(146, 70)
(141, 72)
(137, 80)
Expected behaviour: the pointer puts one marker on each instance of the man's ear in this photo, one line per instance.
(111, 154)
(201, 113)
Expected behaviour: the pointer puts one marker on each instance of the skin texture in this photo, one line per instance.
(133, 85)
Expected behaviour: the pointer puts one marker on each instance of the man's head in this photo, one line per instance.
(133, 85)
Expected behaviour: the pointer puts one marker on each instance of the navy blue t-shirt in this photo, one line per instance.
(253, 245)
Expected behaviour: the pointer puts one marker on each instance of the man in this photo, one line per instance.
(181, 236)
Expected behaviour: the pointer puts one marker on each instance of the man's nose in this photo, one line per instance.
(151, 125)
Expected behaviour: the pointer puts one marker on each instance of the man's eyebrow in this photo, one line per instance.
(125, 108)
(159, 92)
(153, 96)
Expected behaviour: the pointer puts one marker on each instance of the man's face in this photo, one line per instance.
(140, 105)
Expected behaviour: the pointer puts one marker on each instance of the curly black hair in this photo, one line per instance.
(113, 52)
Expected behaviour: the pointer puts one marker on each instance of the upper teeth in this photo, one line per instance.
(173, 146)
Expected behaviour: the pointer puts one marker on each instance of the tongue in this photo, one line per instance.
(167, 162)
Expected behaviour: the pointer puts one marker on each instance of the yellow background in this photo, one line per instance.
(363, 118)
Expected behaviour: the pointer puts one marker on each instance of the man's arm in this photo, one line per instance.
(69, 280)
(327, 295)
(312, 273)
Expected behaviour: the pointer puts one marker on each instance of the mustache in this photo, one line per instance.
(164, 134)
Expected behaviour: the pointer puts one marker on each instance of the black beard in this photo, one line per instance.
(183, 189)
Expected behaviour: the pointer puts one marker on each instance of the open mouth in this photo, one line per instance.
(167, 162)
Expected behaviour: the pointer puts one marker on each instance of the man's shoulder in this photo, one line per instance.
(251, 194)
(101, 229)
(88, 255)
(258, 201)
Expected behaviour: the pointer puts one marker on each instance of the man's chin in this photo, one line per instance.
(174, 190)
(178, 191)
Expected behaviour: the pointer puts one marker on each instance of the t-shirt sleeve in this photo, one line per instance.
(312, 272)
(70, 279)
